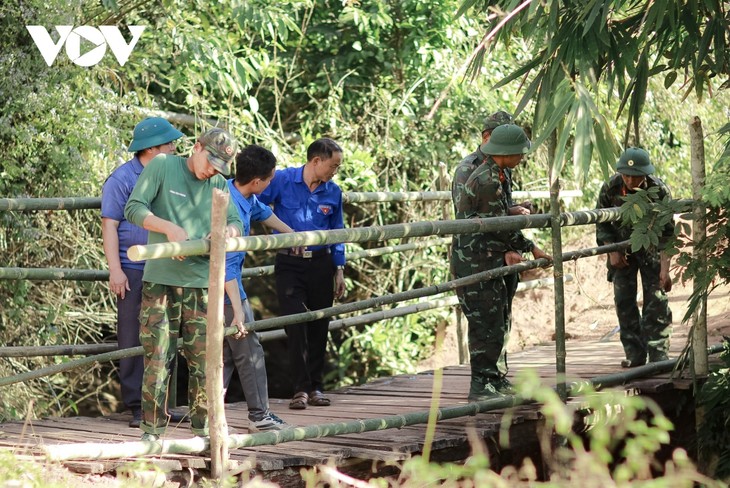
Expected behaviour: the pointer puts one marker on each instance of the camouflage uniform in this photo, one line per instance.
(167, 310)
(648, 331)
(480, 190)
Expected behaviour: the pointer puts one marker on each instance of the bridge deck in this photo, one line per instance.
(383, 397)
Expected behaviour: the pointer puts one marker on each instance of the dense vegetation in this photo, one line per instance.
(281, 74)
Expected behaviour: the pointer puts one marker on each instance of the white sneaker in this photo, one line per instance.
(269, 422)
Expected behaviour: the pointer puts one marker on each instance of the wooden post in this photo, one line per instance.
(214, 337)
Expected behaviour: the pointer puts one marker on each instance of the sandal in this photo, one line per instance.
(317, 399)
(299, 401)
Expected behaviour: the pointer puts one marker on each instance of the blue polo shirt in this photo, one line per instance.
(248, 209)
(114, 195)
(302, 209)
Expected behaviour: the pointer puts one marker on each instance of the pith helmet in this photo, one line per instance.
(151, 132)
(506, 140)
(498, 118)
(634, 161)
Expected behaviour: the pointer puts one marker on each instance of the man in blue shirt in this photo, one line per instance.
(306, 199)
(151, 137)
(255, 168)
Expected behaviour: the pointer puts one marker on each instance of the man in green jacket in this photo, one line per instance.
(172, 200)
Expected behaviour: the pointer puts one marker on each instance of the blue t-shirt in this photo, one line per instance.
(114, 195)
(302, 209)
(248, 209)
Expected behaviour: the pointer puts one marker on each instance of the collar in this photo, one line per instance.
(136, 165)
(238, 197)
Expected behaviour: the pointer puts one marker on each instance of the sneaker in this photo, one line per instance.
(268, 422)
(504, 386)
(488, 392)
(147, 437)
(136, 417)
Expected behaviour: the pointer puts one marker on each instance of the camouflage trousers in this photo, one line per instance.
(646, 332)
(487, 308)
(167, 313)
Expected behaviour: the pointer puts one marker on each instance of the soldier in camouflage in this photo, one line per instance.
(479, 191)
(646, 333)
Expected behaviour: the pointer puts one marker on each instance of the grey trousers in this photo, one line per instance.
(247, 357)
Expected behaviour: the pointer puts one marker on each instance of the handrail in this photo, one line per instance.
(82, 203)
(103, 275)
(298, 318)
(374, 233)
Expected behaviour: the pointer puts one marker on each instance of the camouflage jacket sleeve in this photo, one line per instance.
(483, 196)
(607, 232)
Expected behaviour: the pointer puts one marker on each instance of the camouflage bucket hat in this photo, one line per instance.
(151, 132)
(506, 140)
(498, 118)
(221, 149)
(634, 161)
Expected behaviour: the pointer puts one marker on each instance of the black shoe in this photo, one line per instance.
(136, 417)
(655, 358)
(177, 417)
(504, 386)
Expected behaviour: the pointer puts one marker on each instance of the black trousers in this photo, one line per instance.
(130, 369)
(304, 285)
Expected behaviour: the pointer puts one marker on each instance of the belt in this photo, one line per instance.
(306, 254)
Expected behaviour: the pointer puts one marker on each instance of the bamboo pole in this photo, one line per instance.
(375, 233)
(698, 339)
(59, 350)
(215, 335)
(66, 452)
(557, 252)
(277, 322)
(699, 318)
(363, 319)
(81, 203)
(103, 275)
(53, 274)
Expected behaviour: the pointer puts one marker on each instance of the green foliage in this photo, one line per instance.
(647, 216)
(713, 436)
(609, 50)
(599, 439)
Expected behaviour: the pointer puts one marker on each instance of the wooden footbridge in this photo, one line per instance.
(365, 453)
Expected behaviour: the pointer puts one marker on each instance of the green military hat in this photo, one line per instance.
(152, 132)
(506, 140)
(496, 119)
(634, 161)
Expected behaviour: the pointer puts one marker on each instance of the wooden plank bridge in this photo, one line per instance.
(363, 452)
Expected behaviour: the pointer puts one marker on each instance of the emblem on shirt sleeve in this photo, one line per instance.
(325, 209)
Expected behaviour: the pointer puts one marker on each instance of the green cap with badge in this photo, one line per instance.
(221, 149)
(506, 140)
(634, 161)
